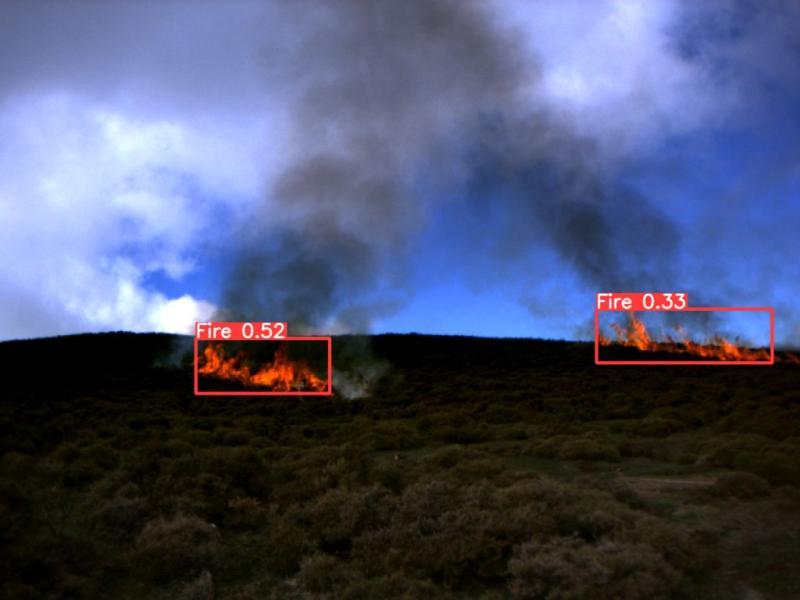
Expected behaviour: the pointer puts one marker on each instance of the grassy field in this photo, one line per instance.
(476, 468)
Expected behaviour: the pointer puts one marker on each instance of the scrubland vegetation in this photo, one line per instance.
(476, 469)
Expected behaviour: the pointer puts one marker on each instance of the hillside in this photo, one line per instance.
(475, 468)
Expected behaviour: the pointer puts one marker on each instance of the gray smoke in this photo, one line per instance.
(374, 85)
(383, 90)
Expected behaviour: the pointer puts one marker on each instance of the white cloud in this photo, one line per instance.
(613, 70)
(126, 135)
(85, 189)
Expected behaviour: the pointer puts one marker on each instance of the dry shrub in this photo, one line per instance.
(681, 546)
(394, 585)
(288, 543)
(659, 427)
(339, 515)
(321, 573)
(120, 516)
(585, 448)
(245, 513)
(449, 457)
(548, 447)
(572, 568)
(201, 588)
(177, 547)
(744, 486)
(439, 530)
(775, 462)
(476, 470)
(570, 509)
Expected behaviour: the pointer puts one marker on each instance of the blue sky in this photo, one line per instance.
(485, 180)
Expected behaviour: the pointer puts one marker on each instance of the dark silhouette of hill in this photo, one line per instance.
(507, 466)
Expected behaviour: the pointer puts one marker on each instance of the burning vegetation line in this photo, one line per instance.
(635, 335)
(282, 374)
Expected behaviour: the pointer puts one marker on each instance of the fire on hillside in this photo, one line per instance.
(636, 335)
(280, 374)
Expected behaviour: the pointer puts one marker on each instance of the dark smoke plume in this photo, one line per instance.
(386, 92)
(374, 85)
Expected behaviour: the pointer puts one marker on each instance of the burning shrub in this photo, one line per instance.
(281, 373)
(177, 547)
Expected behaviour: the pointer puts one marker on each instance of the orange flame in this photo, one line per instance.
(635, 335)
(281, 374)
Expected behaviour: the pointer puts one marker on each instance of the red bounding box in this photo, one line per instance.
(646, 301)
(239, 331)
(765, 309)
(326, 385)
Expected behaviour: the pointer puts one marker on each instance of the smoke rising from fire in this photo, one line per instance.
(385, 93)
(472, 153)
(374, 86)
